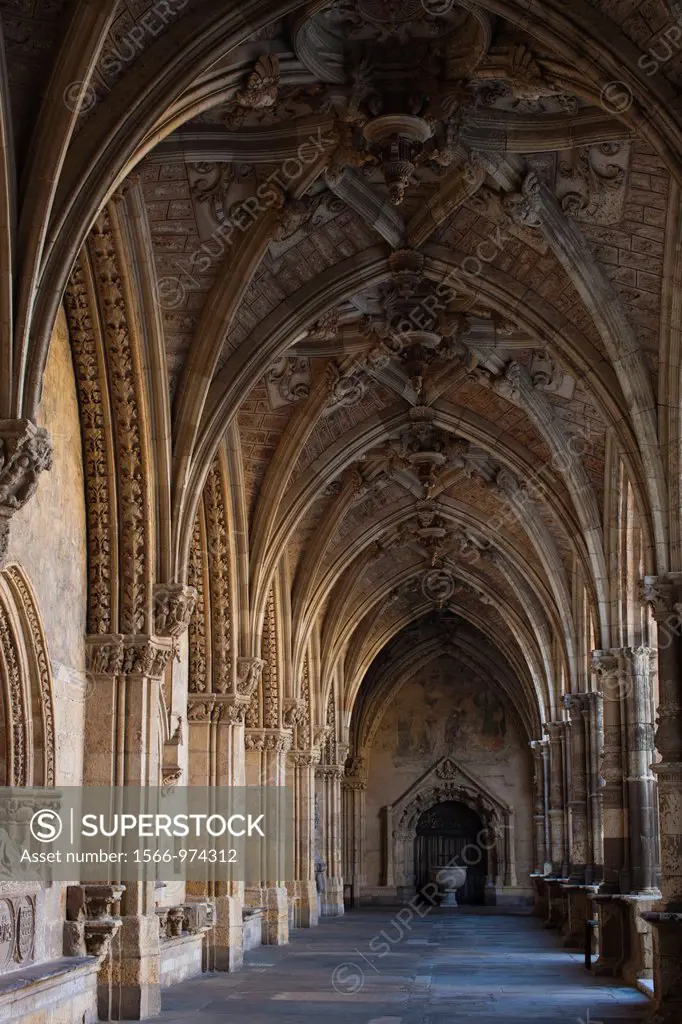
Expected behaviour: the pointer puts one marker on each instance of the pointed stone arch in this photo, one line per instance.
(27, 727)
(448, 780)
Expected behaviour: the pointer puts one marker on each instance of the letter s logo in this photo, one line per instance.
(46, 826)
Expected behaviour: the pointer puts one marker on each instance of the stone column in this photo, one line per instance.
(594, 738)
(576, 889)
(624, 933)
(25, 451)
(576, 704)
(330, 776)
(216, 759)
(353, 787)
(607, 666)
(266, 751)
(557, 802)
(540, 750)
(122, 724)
(304, 889)
(640, 779)
(664, 595)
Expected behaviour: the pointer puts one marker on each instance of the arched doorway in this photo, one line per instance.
(444, 832)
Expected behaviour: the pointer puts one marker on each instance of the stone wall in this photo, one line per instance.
(48, 538)
(439, 713)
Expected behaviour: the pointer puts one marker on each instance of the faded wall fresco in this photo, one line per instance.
(439, 712)
(48, 538)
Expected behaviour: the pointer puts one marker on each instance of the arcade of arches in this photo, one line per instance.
(341, 450)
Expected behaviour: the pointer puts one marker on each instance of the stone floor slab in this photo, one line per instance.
(447, 968)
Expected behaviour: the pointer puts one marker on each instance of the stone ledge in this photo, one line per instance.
(70, 981)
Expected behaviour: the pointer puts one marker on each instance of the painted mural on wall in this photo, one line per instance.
(434, 715)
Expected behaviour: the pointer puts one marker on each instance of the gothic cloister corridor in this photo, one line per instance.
(447, 967)
(340, 510)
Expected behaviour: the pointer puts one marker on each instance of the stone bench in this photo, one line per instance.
(60, 991)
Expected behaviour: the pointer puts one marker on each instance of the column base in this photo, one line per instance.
(331, 900)
(133, 989)
(274, 901)
(305, 904)
(224, 949)
(667, 942)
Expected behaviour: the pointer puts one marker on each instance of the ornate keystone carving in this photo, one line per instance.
(525, 207)
(25, 451)
(173, 608)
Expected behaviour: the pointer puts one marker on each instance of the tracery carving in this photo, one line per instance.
(95, 458)
(9, 658)
(219, 581)
(38, 647)
(271, 709)
(197, 625)
(124, 382)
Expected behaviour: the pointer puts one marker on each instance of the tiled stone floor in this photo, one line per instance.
(449, 967)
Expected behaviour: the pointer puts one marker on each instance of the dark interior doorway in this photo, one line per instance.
(447, 834)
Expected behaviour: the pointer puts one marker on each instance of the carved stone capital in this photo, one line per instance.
(277, 740)
(555, 730)
(229, 709)
(329, 771)
(576, 704)
(25, 451)
(114, 654)
(91, 919)
(661, 592)
(293, 711)
(249, 671)
(305, 758)
(199, 917)
(173, 608)
(605, 663)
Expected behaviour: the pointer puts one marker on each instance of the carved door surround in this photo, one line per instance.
(448, 780)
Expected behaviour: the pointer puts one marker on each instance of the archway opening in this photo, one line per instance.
(448, 834)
